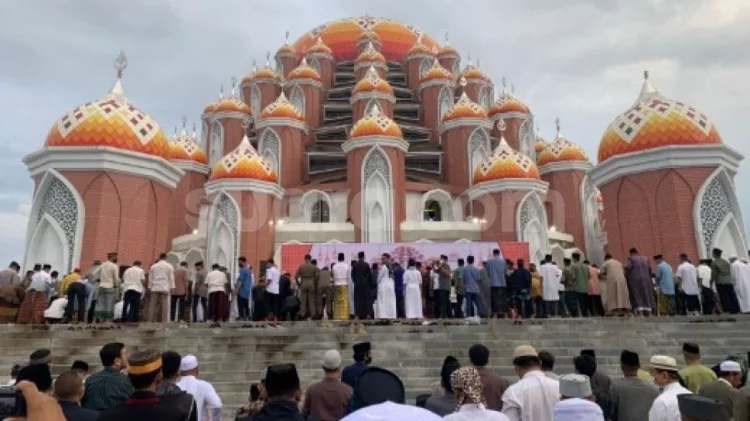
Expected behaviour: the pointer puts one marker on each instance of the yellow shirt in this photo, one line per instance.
(644, 375)
(697, 375)
(536, 284)
(65, 283)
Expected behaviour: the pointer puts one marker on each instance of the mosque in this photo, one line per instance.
(367, 130)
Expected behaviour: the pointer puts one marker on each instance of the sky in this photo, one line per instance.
(581, 60)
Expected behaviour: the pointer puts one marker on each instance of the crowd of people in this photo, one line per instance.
(383, 290)
(164, 386)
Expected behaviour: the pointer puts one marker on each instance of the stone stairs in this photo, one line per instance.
(232, 357)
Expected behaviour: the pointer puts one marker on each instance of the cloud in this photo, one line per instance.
(580, 60)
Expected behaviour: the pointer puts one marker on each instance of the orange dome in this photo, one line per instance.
(243, 162)
(540, 144)
(370, 54)
(342, 35)
(368, 36)
(465, 108)
(319, 47)
(655, 122)
(506, 163)
(419, 48)
(111, 121)
(508, 103)
(211, 106)
(473, 72)
(303, 71)
(447, 50)
(561, 150)
(231, 104)
(265, 72)
(285, 50)
(281, 108)
(376, 124)
(185, 148)
(436, 72)
(372, 82)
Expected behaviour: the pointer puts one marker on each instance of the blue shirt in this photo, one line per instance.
(665, 276)
(496, 269)
(471, 278)
(245, 279)
(398, 281)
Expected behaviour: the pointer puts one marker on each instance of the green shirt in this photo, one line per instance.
(106, 389)
(721, 271)
(582, 274)
(696, 376)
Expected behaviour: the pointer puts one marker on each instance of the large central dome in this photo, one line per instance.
(342, 35)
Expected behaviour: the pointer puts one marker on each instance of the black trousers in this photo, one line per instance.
(596, 307)
(76, 294)
(400, 310)
(176, 309)
(708, 300)
(499, 301)
(583, 303)
(363, 300)
(692, 303)
(728, 298)
(458, 308)
(243, 308)
(273, 304)
(131, 305)
(204, 302)
(442, 304)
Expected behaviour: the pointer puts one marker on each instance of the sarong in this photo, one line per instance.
(105, 304)
(341, 302)
(8, 311)
(32, 308)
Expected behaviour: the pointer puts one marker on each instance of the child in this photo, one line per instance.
(259, 300)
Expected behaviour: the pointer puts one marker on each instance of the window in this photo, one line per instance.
(320, 212)
(433, 212)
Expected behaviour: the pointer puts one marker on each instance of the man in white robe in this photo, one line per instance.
(385, 307)
(413, 291)
(740, 272)
(551, 275)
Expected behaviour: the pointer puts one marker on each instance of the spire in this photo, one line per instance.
(268, 59)
(184, 125)
(195, 133)
(221, 93)
(647, 89)
(255, 66)
(557, 126)
(447, 40)
(303, 63)
(286, 37)
(477, 62)
(120, 63)
(233, 82)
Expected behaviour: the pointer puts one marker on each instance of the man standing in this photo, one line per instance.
(721, 276)
(283, 392)
(638, 275)
(522, 278)
(160, 283)
(133, 282)
(328, 399)
(10, 275)
(496, 269)
(493, 386)
(687, 277)
(323, 292)
(361, 276)
(665, 281)
(581, 273)
(459, 288)
(631, 397)
(695, 374)
(362, 360)
(109, 388)
(698, 408)
(200, 293)
(535, 395)
(273, 302)
(72, 288)
(707, 293)
(551, 275)
(724, 389)
(207, 401)
(35, 299)
(169, 391)
(443, 290)
(179, 293)
(485, 292)
(244, 288)
(665, 407)
(307, 277)
(341, 272)
(595, 290)
(569, 282)
(69, 392)
(471, 279)
(398, 285)
(741, 280)
(618, 298)
(109, 284)
(216, 282)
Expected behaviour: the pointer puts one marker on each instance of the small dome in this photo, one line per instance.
(243, 162)
(654, 122)
(372, 82)
(540, 144)
(376, 124)
(472, 72)
(281, 108)
(186, 148)
(303, 71)
(266, 72)
(447, 49)
(561, 150)
(506, 163)
(371, 54)
(320, 48)
(465, 108)
(232, 104)
(419, 48)
(436, 72)
(110, 121)
(286, 49)
(508, 103)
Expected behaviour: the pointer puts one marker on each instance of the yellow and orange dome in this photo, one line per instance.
(110, 121)
(266, 72)
(506, 163)
(446, 49)
(281, 108)
(372, 82)
(655, 122)
(303, 71)
(244, 163)
(368, 36)
(371, 54)
(508, 103)
(319, 47)
(472, 72)
(231, 104)
(186, 148)
(376, 124)
(465, 108)
(342, 35)
(286, 49)
(436, 72)
(561, 150)
(540, 144)
(419, 48)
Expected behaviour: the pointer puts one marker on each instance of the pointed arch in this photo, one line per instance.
(297, 98)
(456, 70)
(316, 201)
(592, 226)
(527, 138)
(269, 147)
(204, 135)
(174, 258)
(314, 63)
(224, 228)
(532, 225)
(484, 97)
(715, 211)
(478, 151)
(216, 148)
(377, 197)
(255, 98)
(444, 201)
(445, 101)
(425, 66)
(370, 104)
(58, 211)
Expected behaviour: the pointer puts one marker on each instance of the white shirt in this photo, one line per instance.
(109, 275)
(689, 276)
(341, 273)
(533, 398)
(216, 281)
(132, 279)
(704, 274)
(665, 407)
(578, 409)
(474, 412)
(56, 310)
(40, 281)
(161, 277)
(272, 280)
(204, 394)
(551, 275)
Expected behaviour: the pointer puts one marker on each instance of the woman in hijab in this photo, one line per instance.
(470, 405)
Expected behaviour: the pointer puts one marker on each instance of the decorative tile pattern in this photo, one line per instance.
(371, 54)
(304, 71)
(185, 148)
(244, 162)
(232, 104)
(377, 163)
(436, 71)
(465, 108)
(653, 122)
(508, 103)
(372, 82)
(270, 147)
(715, 206)
(111, 121)
(281, 108)
(342, 35)
(60, 204)
(445, 101)
(376, 124)
(505, 163)
(561, 150)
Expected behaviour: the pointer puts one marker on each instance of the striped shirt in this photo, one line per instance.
(106, 389)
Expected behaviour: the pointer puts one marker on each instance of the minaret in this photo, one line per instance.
(368, 37)
(419, 60)
(262, 88)
(369, 92)
(478, 85)
(282, 137)
(320, 58)
(230, 112)
(306, 93)
(435, 93)
(370, 57)
(286, 58)
(187, 155)
(449, 57)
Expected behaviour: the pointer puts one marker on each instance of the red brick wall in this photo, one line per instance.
(563, 203)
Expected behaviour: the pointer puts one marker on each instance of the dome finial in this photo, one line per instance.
(268, 59)
(221, 93)
(647, 89)
(447, 40)
(233, 82)
(184, 121)
(468, 58)
(512, 89)
(504, 81)
(502, 126)
(121, 63)
(557, 125)
(286, 37)
(477, 62)
(195, 133)
(645, 74)
(255, 65)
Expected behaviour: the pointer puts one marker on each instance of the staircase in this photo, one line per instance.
(233, 357)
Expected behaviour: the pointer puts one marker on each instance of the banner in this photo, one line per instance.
(292, 255)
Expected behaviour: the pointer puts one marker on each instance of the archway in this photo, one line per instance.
(320, 213)
(377, 197)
